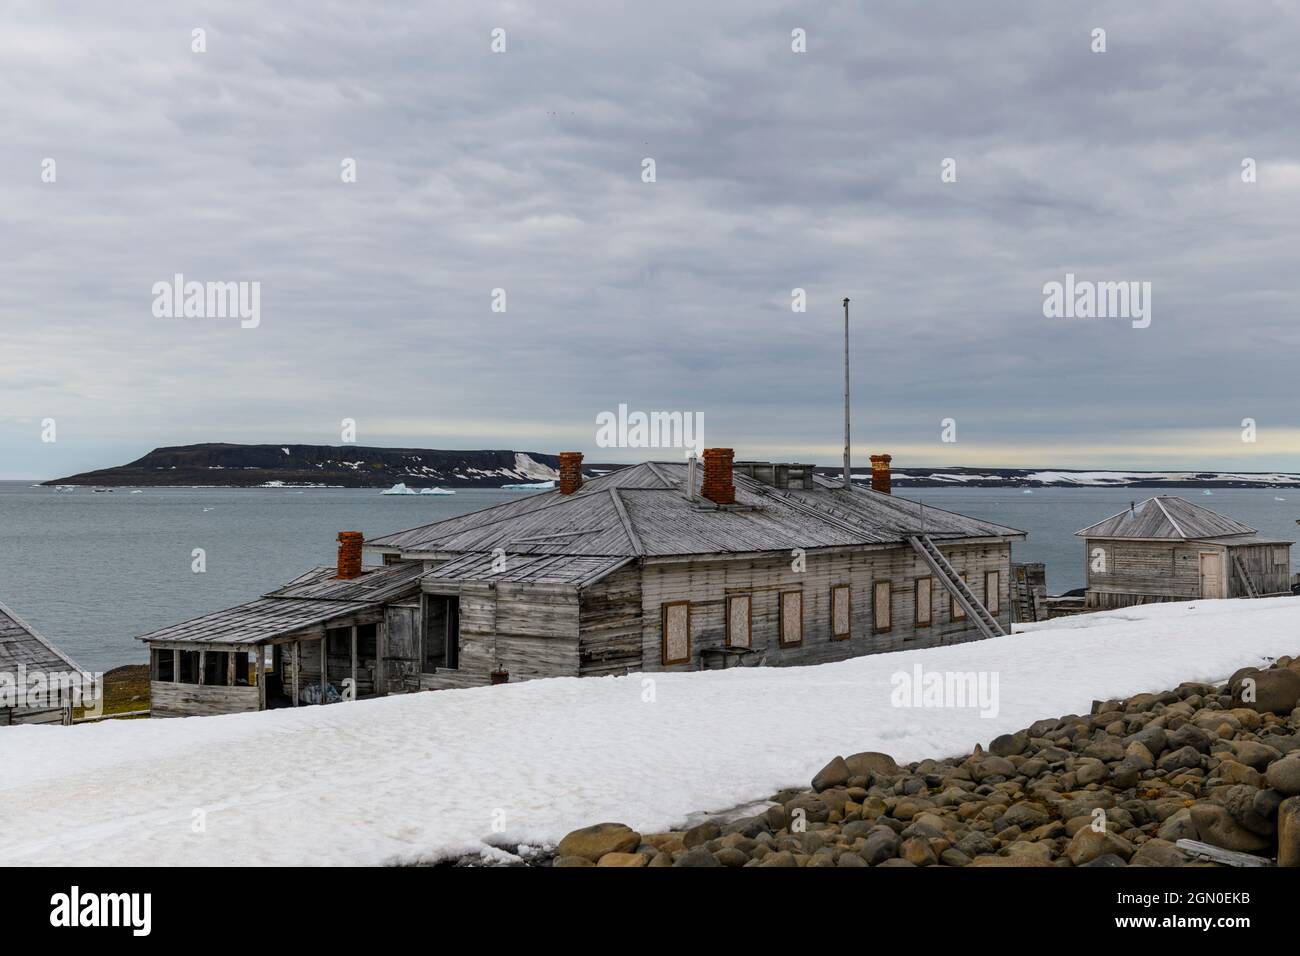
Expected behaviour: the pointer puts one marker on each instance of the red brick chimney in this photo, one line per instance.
(880, 473)
(570, 472)
(718, 486)
(350, 547)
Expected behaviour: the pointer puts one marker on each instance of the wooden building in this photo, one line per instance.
(320, 635)
(657, 567)
(39, 684)
(1169, 549)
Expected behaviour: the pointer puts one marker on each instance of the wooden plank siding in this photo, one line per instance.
(1152, 572)
(530, 630)
(707, 584)
(35, 715)
(169, 699)
(609, 625)
(1270, 575)
(1144, 572)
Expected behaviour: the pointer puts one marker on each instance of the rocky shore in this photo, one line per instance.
(1216, 764)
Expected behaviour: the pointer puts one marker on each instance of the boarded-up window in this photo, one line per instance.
(840, 613)
(993, 592)
(791, 618)
(882, 614)
(738, 621)
(677, 632)
(1282, 557)
(924, 614)
(958, 614)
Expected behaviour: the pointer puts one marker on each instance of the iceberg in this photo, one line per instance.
(531, 486)
(400, 489)
(435, 491)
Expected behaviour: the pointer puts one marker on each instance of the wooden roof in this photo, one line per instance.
(257, 621)
(21, 644)
(1167, 517)
(564, 569)
(374, 584)
(644, 511)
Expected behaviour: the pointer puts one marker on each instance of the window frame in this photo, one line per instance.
(781, 636)
(847, 634)
(955, 611)
(875, 606)
(996, 591)
(929, 604)
(663, 637)
(749, 620)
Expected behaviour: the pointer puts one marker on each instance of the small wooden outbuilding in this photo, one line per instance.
(1168, 549)
(39, 684)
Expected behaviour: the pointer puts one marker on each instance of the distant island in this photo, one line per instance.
(358, 466)
(330, 466)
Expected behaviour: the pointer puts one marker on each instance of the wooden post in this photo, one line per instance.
(324, 667)
(260, 668)
(176, 666)
(203, 666)
(297, 656)
(230, 666)
(381, 648)
(355, 692)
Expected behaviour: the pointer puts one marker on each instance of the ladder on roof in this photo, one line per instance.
(1251, 590)
(960, 590)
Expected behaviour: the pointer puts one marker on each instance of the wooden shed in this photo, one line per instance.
(1168, 549)
(39, 684)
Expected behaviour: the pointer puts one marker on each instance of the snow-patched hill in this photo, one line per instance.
(344, 466)
(431, 775)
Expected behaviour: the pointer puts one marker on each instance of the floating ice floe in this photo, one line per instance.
(530, 486)
(401, 489)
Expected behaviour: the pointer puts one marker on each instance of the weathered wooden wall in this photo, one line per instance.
(1143, 572)
(529, 630)
(35, 715)
(610, 625)
(706, 584)
(1149, 572)
(167, 699)
(1268, 575)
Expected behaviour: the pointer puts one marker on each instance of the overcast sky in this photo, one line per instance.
(774, 170)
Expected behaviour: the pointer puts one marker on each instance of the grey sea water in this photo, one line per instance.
(92, 571)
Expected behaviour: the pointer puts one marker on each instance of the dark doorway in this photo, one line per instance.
(441, 633)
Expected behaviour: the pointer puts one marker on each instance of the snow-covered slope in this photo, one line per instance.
(431, 775)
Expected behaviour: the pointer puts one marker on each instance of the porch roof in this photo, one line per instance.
(257, 622)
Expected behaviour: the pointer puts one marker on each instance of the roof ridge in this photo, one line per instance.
(661, 476)
(628, 526)
(1165, 511)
